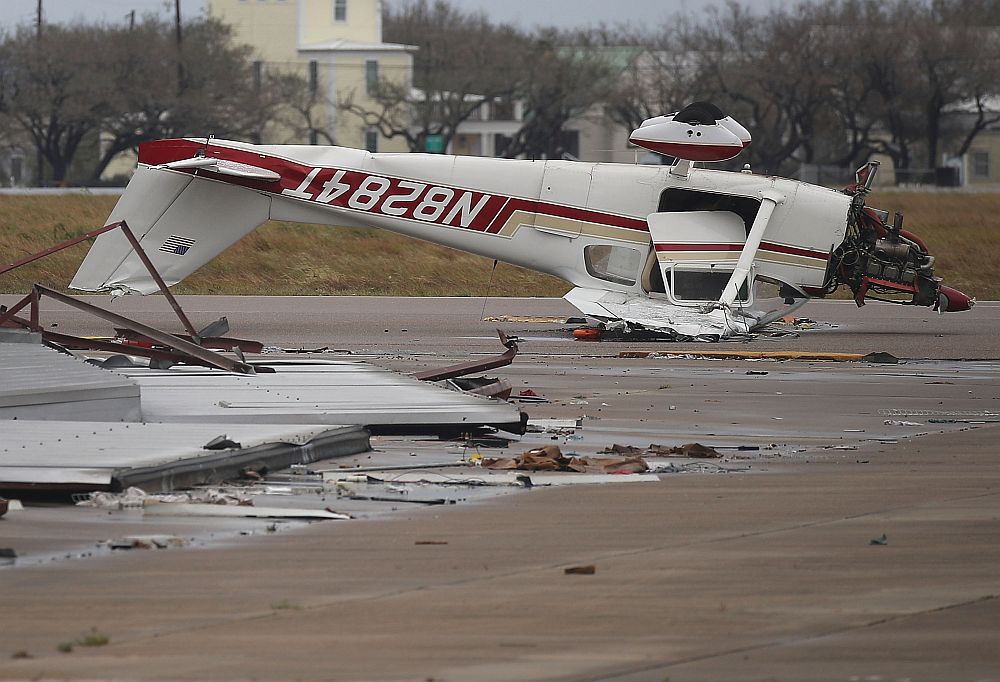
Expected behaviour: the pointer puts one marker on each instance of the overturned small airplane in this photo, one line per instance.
(676, 250)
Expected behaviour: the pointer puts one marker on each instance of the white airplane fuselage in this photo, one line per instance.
(540, 215)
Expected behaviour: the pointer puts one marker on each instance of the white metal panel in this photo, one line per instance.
(335, 392)
(41, 383)
(94, 453)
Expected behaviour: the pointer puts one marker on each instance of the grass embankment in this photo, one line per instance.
(962, 231)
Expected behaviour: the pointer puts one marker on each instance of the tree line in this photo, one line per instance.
(816, 82)
(66, 86)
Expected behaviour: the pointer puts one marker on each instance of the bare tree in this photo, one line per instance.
(71, 84)
(56, 90)
(298, 105)
(218, 94)
(661, 77)
(564, 76)
(462, 62)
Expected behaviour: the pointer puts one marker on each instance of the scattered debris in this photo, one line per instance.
(879, 541)
(588, 334)
(535, 319)
(529, 396)
(4, 505)
(561, 427)
(378, 498)
(130, 498)
(135, 498)
(490, 387)
(243, 512)
(745, 355)
(700, 467)
(431, 542)
(221, 443)
(897, 422)
(7, 556)
(147, 542)
(755, 372)
(970, 414)
(92, 638)
(691, 450)
(550, 458)
(589, 569)
(484, 441)
(881, 358)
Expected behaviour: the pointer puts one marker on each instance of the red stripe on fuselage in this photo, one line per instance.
(764, 246)
(699, 247)
(491, 217)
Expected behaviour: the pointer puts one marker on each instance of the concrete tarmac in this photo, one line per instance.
(427, 325)
(763, 575)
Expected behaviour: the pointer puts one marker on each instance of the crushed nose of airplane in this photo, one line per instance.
(698, 132)
(953, 301)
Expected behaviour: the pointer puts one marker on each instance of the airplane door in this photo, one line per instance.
(565, 187)
(696, 250)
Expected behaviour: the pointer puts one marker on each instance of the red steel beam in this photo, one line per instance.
(212, 358)
(58, 247)
(473, 366)
(141, 253)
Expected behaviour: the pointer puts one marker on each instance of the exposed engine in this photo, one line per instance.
(883, 262)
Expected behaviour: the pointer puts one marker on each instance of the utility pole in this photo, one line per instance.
(180, 63)
(39, 159)
(131, 20)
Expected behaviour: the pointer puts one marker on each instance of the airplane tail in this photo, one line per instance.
(181, 223)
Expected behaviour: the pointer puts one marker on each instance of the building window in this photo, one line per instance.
(501, 143)
(340, 10)
(313, 77)
(502, 110)
(571, 144)
(371, 76)
(981, 164)
(371, 140)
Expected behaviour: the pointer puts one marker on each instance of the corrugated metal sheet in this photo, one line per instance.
(338, 392)
(37, 382)
(90, 455)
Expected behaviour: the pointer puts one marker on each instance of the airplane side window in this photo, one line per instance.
(618, 264)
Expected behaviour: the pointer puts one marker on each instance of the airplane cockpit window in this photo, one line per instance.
(618, 264)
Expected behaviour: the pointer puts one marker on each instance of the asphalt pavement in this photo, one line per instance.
(407, 325)
(759, 566)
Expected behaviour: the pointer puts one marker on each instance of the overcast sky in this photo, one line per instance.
(527, 13)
